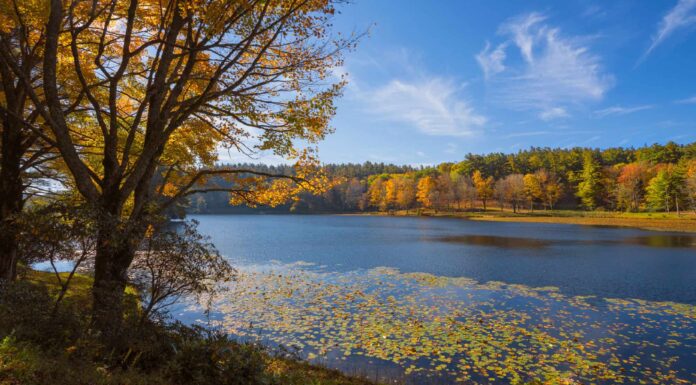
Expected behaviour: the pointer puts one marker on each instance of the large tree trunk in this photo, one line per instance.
(11, 199)
(118, 240)
(113, 257)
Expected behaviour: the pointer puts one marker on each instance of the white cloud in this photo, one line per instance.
(618, 110)
(492, 61)
(431, 105)
(556, 71)
(682, 15)
(553, 113)
(691, 100)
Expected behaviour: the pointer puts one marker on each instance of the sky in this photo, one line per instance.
(435, 80)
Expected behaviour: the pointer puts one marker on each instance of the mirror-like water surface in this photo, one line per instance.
(446, 300)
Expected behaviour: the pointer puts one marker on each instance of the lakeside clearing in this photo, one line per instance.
(685, 222)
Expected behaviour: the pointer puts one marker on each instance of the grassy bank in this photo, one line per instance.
(39, 346)
(685, 222)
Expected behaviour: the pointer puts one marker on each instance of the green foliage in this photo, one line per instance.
(590, 188)
(666, 190)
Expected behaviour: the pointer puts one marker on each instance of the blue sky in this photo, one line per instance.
(438, 79)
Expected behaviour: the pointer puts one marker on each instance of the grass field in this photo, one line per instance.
(685, 222)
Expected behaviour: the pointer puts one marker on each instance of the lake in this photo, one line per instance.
(439, 300)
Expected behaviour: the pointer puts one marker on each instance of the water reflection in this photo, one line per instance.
(657, 240)
(496, 241)
(579, 260)
(660, 240)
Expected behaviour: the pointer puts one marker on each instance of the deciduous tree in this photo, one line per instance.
(406, 193)
(376, 193)
(23, 145)
(139, 89)
(484, 187)
(425, 192)
(511, 189)
(631, 183)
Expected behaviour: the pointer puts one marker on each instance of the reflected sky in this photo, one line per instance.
(579, 260)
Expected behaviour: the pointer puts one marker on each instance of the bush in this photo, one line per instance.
(208, 357)
(27, 312)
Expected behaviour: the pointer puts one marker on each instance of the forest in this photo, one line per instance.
(660, 177)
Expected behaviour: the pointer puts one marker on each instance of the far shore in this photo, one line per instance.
(685, 222)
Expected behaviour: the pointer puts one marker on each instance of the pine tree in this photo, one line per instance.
(590, 186)
(666, 190)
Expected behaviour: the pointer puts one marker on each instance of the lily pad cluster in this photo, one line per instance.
(462, 330)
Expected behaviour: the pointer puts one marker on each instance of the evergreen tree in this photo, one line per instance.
(666, 190)
(590, 186)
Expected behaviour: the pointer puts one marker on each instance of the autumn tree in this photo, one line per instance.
(391, 188)
(376, 193)
(464, 190)
(630, 186)
(405, 193)
(532, 189)
(511, 189)
(139, 96)
(484, 187)
(425, 192)
(444, 191)
(543, 186)
(23, 152)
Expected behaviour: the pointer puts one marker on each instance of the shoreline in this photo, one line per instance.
(662, 222)
(685, 223)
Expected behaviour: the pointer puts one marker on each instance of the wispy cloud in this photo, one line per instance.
(432, 105)
(528, 133)
(681, 16)
(556, 71)
(618, 110)
(594, 12)
(691, 100)
(553, 113)
(491, 61)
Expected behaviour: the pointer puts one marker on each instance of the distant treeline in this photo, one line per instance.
(657, 177)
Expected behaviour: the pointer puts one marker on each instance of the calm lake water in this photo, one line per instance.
(436, 300)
